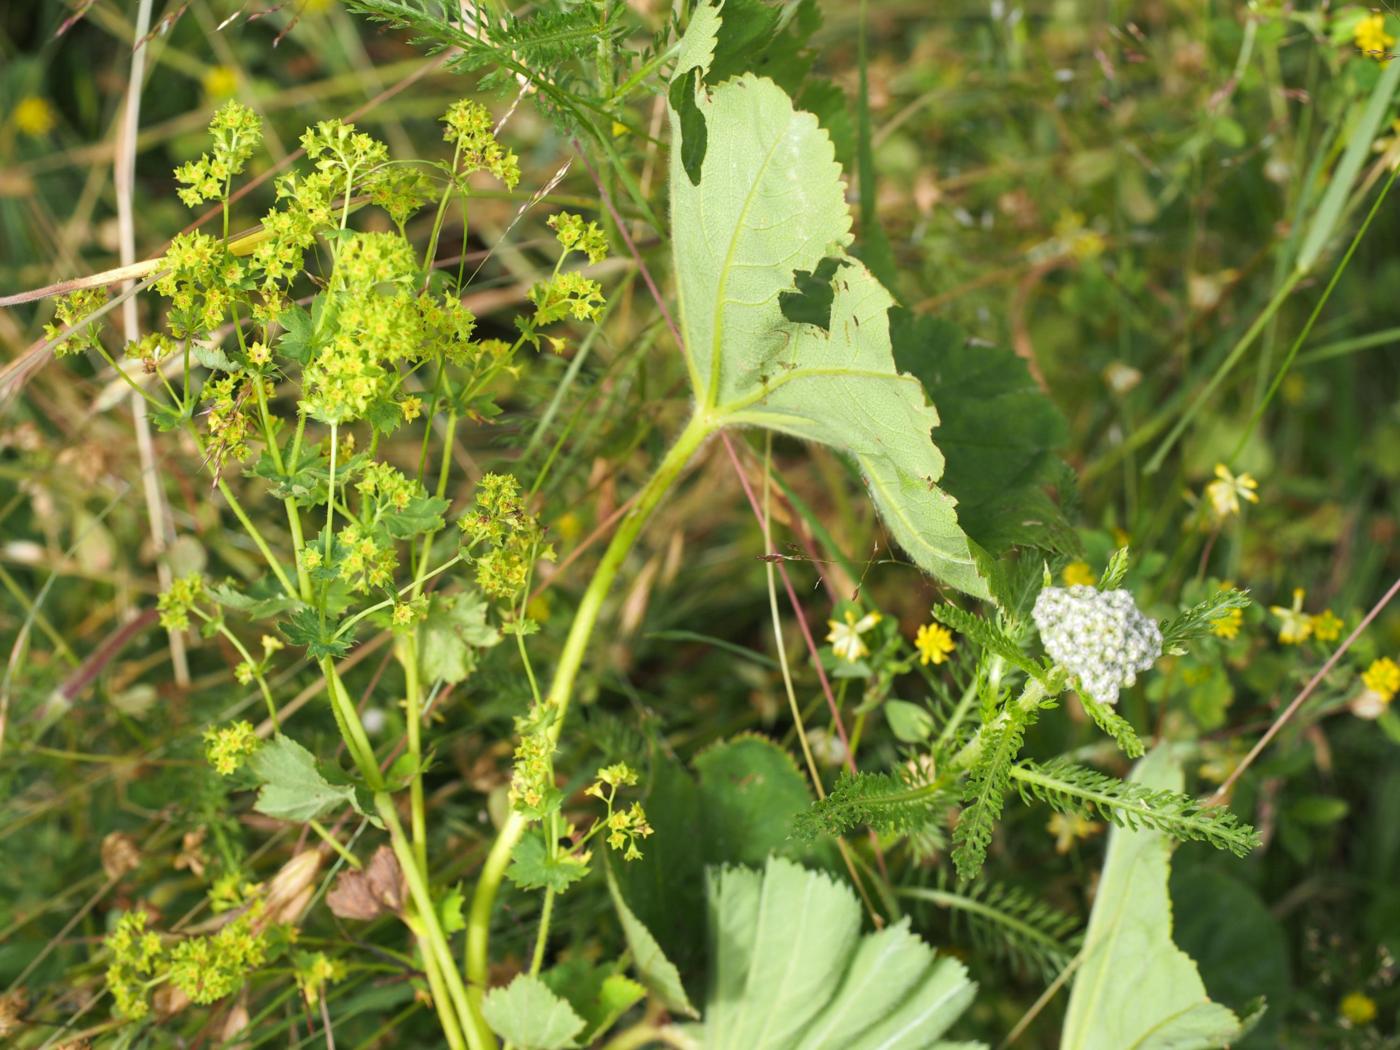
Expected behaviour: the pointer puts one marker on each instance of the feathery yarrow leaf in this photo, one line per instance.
(1078, 790)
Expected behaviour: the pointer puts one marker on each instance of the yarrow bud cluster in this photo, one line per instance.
(1100, 636)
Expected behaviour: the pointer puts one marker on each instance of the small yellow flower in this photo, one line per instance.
(220, 81)
(845, 637)
(1371, 37)
(934, 642)
(1358, 1007)
(1071, 829)
(1078, 573)
(1295, 626)
(1327, 626)
(1383, 678)
(412, 408)
(1226, 491)
(1227, 624)
(35, 116)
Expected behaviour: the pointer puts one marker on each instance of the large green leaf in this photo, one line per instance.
(1136, 990)
(998, 430)
(751, 793)
(789, 970)
(769, 203)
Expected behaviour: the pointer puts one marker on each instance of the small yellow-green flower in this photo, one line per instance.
(1078, 574)
(845, 636)
(1227, 624)
(1327, 626)
(35, 116)
(934, 642)
(1358, 1007)
(1226, 491)
(228, 747)
(1371, 37)
(1383, 678)
(1295, 626)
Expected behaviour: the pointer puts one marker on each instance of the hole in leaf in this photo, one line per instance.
(811, 302)
(694, 135)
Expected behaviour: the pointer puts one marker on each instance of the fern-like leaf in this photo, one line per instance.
(1080, 791)
(1114, 724)
(1004, 922)
(987, 783)
(1196, 621)
(988, 635)
(888, 802)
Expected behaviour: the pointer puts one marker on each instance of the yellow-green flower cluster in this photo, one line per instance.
(175, 604)
(305, 209)
(511, 535)
(231, 400)
(208, 968)
(337, 146)
(136, 955)
(151, 349)
(236, 131)
(622, 827)
(469, 129)
(577, 236)
(532, 789)
(625, 827)
(227, 747)
(400, 191)
(200, 280)
(72, 309)
(363, 560)
(448, 327)
(379, 322)
(568, 294)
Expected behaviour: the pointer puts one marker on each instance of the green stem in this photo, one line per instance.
(334, 843)
(406, 649)
(561, 689)
(257, 538)
(352, 730)
(542, 937)
(479, 1036)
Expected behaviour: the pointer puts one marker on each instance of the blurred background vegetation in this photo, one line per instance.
(1113, 190)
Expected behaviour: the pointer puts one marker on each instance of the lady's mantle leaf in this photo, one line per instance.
(532, 1017)
(1136, 989)
(789, 969)
(770, 202)
(293, 788)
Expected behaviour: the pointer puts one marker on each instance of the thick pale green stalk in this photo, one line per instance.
(433, 941)
(406, 650)
(561, 689)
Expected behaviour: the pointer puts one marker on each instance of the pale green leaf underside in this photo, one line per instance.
(292, 787)
(770, 201)
(529, 1015)
(789, 970)
(1136, 990)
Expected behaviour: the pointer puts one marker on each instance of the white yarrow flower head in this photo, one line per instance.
(1100, 636)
